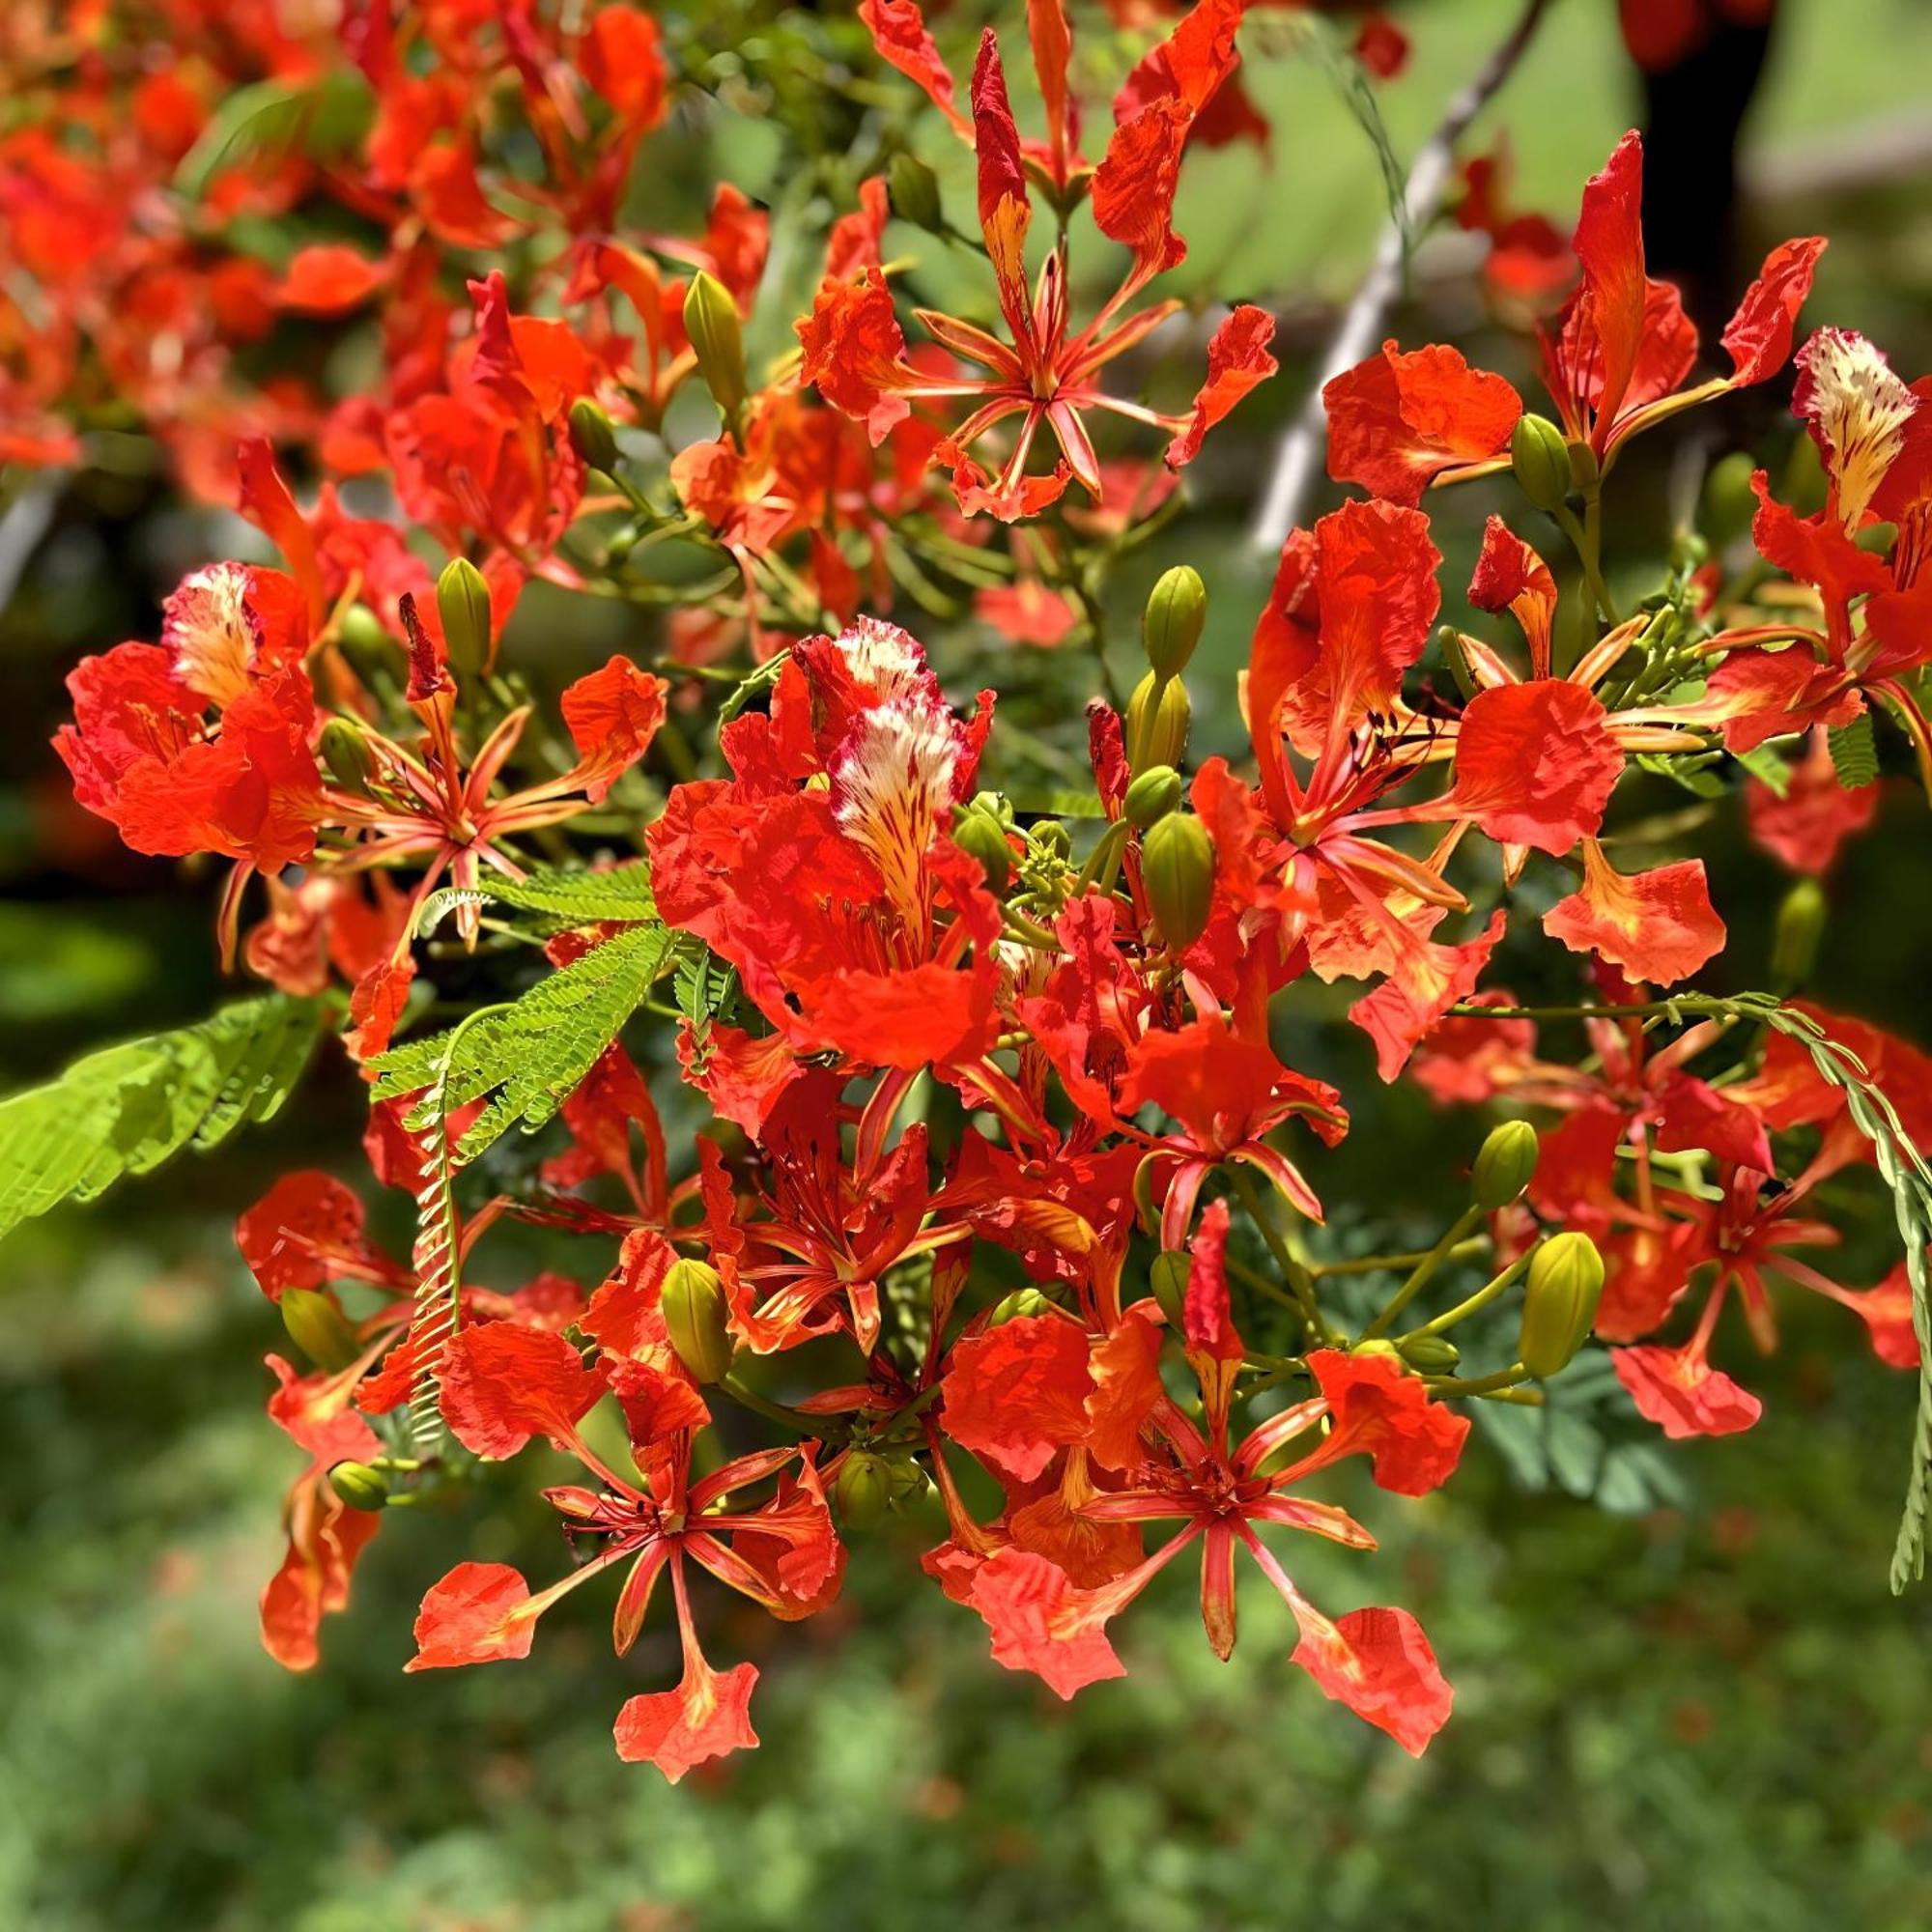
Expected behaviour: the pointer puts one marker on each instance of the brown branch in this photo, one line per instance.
(1303, 443)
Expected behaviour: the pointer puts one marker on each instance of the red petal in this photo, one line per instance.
(1658, 926)
(1018, 1393)
(612, 714)
(1536, 764)
(479, 1613)
(1682, 1394)
(1759, 335)
(1382, 1411)
(1237, 361)
(1396, 420)
(707, 1716)
(1377, 1662)
(503, 1385)
(1043, 1622)
(330, 280)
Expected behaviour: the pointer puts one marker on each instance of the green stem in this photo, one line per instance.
(1481, 1298)
(1425, 1271)
(1503, 1379)
(1297, 1277)
(773, 1411)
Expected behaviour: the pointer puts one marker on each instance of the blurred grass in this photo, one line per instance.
(1713, 1717)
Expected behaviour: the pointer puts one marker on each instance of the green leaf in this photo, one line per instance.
(1692, 770)
(1854, 752)
(564, 899)
(1318, 41)
(274, 119)
(1764, 765)
(1579, 1441)
(130, 1108)
(532, 1054)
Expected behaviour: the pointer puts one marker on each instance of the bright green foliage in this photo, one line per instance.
(129, 1108)
(530, 1055)
(1854, 752)
(272, 119)
(562, 899)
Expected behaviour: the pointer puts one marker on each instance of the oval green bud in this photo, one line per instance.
(1539, 462)
(359, 1486)
(1800, 930)
(914, 189)
(1151, 796)
(592, 435)
(363, 640)
(1157, 722)
(1689, 551)
(1178, 871)
(1021, 1304)
(980, 838)
(1504, 1165)
(1583, 470)
(318, 1328)
(346, 753)
(1171, 626)
(1169, 1276)
(717, 340)
(1433, 1355)
(694, 1314)
(1378, 1346)
(462, 602)
(909, 1480)
(1559, 1302)
(862, 1490)
(1729, 503)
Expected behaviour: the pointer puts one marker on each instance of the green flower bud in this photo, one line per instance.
(862, 1490)
(1157, 722)
(1729, 503)
(462, 602)
(592, 436)
(346, 753)
(718, 341)
(914, 189)
(1177, 609)
(980, 838)
(908, 1478)
(1541, 461)
(1178, 871)
(1583, 470)
(1169, 1276)
(1051, 836)
(363, 640)
(1689, 551)
(1021, 1304)
(359, 1486)
(1152, 796)
(1378, 1346)
(1433, 1355)
(1559, 1302)
(1504, 1165)
(694, 1314)
(1796, 937)
(318, 1328)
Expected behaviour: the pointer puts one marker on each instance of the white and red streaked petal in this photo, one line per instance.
(211, 631)
(892, 784)
(1856, 409)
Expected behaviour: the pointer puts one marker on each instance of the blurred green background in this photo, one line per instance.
(1703, 1712)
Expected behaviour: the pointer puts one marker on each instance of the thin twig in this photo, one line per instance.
(1302, 444)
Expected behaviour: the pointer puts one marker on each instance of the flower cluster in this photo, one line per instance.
(929, 1149)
